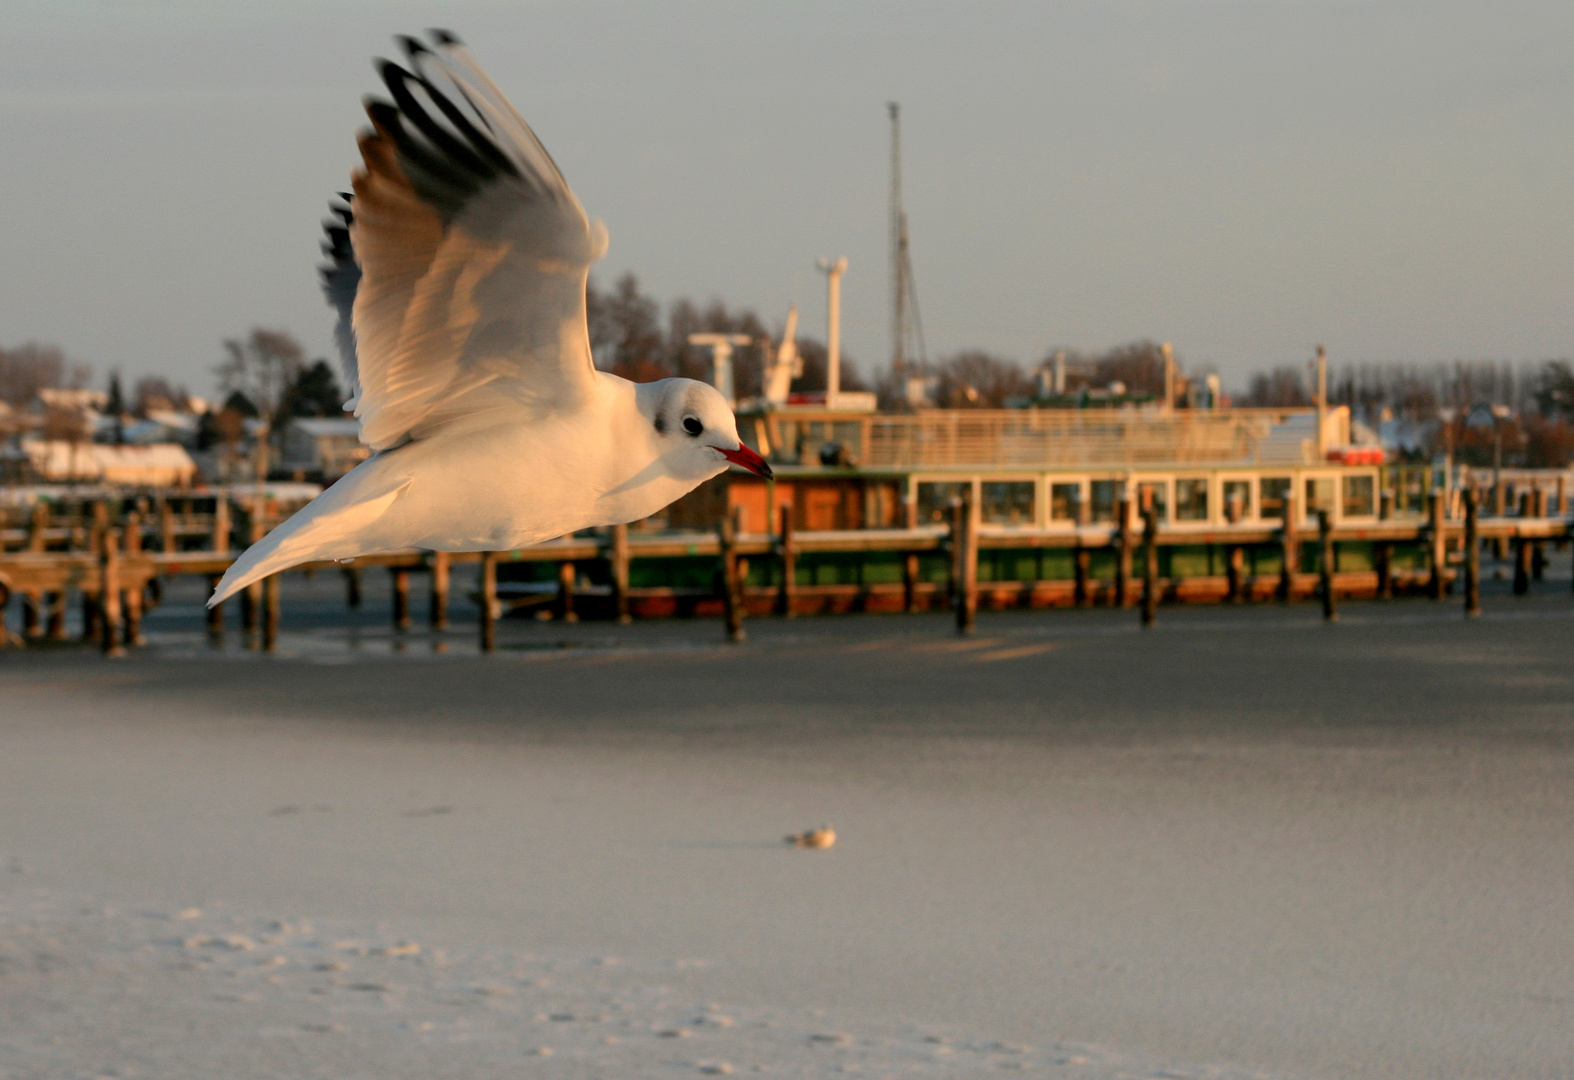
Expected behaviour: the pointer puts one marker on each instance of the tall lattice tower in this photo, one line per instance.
(907, 329)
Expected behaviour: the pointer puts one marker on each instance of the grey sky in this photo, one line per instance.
(1243, 179)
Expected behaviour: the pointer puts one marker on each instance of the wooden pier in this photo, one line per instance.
(114, 557)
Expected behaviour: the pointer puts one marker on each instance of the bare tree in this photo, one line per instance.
(153, 392)
(261, 367)
(27, 369)
(978, 380)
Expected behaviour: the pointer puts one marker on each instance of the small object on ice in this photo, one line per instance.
(823, 837)
(721, 1068)
(329, 965)
(543, 1051)
(833, 1039)
(675, 1033)
(404, 948)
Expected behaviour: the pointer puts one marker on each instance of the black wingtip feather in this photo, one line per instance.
(445, 37)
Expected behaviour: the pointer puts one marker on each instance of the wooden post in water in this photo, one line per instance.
(32, 615)
(133, 597)
(55, 628)
(1522, 548)
(36, 540)
(1235, 556)
(965, 525)
(221, 523)
(437, 612)
(1472, 553)
(251, 595)
(166, 526)
(1150, 564)
(1123, 551)
(488, 601)
(1538, 553)
(789, 566)
(270, 612)
(352, 587)
(109, 594)
(1437, 542)
(1289, 551)
(731, 589)
(401, 597)
(215, 614)
(1082, 557)
(620, 574)
(564, 606)
(1325, 564)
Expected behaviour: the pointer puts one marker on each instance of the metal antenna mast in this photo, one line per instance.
(907, 331)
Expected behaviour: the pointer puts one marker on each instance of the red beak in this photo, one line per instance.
(749, 460)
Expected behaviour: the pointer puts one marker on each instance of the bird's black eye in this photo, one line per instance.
(692, 425)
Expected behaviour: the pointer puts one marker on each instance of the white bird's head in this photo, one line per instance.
(696, 429)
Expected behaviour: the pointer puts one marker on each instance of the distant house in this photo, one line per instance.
(321, 448)
(65, 461)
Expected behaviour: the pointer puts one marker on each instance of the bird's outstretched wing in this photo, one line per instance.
(469, 299)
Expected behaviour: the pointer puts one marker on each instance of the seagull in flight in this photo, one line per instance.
(458, 270)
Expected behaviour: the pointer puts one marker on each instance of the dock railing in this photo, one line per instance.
(115, 564)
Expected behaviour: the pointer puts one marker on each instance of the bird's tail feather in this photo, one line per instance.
(315, 532)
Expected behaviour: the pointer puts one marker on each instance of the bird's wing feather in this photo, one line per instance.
(341, 277)
(472, 251)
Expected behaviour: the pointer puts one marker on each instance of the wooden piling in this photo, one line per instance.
(1123, 552)
(1235, 557)
(1538, 552)
(32, 615)
(1472, 553)
(1437, 543)
(488, 601)
(352, 587)
(1081, 568)
(437, 610)
(1325, 564)
(563, 609)
(36, 540)
(109, 594)
(270, 612)
(133, 597)
(1150, 564)
(789, 566)
(727, 530)
(620, 574)
(55, 605)
(166, 524)
(1289, 551)
(401, 598)
(966, 522)
(1521, 548)
(221, 523)
(215, 614)
(1082, 558)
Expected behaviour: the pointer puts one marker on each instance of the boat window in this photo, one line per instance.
(1272, 492)
(1106, 494)
(1007, 502)
(787, 445)
(1238, 492)
(1319, 494)
(1191, 499)
(1064, 501)
(1360, 496)
(934, 500)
